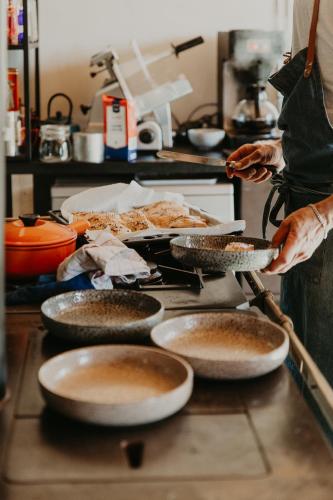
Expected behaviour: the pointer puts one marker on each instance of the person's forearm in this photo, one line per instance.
(325, 207)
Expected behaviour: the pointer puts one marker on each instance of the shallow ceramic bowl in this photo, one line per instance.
(101, 316)
(116, 385)
(224, 345)
(205, 138)
(208, 253)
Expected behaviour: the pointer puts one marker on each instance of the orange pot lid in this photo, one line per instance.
(31, 231)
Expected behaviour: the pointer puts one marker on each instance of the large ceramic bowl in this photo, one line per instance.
(116, 385)
(101, 316)
(224, 345)
(208, 253)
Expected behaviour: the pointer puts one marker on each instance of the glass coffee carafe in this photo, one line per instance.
(255, 115)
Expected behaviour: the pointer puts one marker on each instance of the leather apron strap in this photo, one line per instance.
(312, 40)
(280, 184)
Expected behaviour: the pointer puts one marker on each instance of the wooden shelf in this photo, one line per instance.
(21, 158)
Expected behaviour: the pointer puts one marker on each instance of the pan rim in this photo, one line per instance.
(188, 379)
(180, 243)
(254, 359)
(130, 324)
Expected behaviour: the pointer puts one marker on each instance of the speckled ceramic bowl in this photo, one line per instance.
(224, 345)
(116, 385)
(208, 253)
(101, 316)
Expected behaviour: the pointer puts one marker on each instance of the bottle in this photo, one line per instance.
(10, 134)
(12, 26)
(20, 22)
(33, 21)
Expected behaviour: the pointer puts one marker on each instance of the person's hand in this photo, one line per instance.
(252, 159)
(300, 233)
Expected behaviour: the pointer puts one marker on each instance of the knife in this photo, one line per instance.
(203, 160)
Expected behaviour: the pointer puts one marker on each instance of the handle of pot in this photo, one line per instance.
(80, 226)
(29, 220)
(70, 105)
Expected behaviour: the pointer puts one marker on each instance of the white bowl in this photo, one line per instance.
(205, 138)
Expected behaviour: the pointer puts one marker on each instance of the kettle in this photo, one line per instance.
(59, 118)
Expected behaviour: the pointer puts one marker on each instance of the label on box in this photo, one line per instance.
(120, 134)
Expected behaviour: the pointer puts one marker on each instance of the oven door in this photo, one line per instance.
(3, 101)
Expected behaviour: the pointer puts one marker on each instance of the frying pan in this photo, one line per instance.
(101, 316)
(120, 385)
(227, 345)
(207, 252)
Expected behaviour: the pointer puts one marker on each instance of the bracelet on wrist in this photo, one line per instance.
(320, 218)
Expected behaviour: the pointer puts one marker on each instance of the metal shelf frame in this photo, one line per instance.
(26, 47)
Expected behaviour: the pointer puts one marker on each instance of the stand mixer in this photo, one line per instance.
(152, 100)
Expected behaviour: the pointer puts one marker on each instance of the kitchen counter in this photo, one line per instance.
(147, 165)
(239, 440)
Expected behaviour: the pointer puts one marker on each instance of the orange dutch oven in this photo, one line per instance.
(36, 246)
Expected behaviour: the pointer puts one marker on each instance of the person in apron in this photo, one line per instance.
(305, 188)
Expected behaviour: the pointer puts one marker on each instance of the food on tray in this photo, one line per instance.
(182, 221)
(105, 220)
(162, 214)
(165, 208)
(136, 220)
(169, 214)
(236, 246)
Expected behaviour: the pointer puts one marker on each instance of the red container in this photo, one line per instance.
(13, 89)
(35, 246)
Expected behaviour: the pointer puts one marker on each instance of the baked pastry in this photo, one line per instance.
(136, 220)
(236, 246)
(160, 209)
(103, 220)
(162, 214)
(188, 221)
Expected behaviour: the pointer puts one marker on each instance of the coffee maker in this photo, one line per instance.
(246, 58)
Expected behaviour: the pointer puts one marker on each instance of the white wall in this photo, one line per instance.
(73, 30)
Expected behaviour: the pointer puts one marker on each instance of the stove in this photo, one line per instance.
(180, 287)
(165, 272)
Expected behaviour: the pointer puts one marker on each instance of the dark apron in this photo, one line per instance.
(307, 289)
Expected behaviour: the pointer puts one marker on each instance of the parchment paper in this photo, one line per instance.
(122, 197)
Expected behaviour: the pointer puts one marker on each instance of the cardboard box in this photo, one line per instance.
(120, 133)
